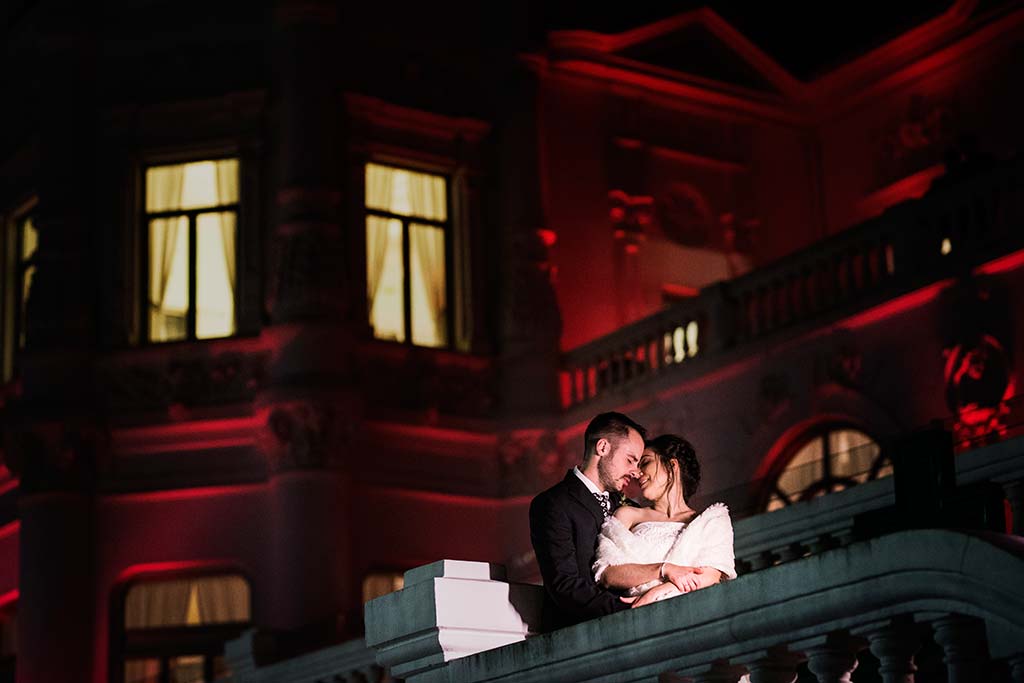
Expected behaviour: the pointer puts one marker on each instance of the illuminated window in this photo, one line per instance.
(22, 241)
(824, 460)
(191, 219)
(407, 228)
(175, 629)
(382, 583)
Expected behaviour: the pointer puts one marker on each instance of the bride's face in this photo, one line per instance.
(653, 478)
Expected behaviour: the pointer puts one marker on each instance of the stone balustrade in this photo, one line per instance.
(964, 221)
(880, 595)
(812, 588)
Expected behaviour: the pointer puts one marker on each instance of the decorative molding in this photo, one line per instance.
(137, 386)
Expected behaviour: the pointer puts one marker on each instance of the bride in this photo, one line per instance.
(656, 552)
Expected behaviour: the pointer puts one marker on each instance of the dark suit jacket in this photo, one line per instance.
(564, 524)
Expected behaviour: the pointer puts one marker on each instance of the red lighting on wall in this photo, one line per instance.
(168, 569)
(8, 599)
(896, 306)
(198, 493)
(1003, 264)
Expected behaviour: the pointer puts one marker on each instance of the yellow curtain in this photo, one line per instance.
(215, 291)
(157, 603)
(227, 193)
(168, 278)
(164, 185)
(429, 322)
(223, 599)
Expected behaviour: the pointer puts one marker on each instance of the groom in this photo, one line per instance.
(565, 520)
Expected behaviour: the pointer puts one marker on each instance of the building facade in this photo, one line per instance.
(298, 296)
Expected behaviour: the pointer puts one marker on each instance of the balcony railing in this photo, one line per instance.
(819, 582)
(960, 224)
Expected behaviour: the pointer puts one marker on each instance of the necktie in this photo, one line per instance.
(606, 504)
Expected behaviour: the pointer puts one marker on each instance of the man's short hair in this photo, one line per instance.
(611, 426)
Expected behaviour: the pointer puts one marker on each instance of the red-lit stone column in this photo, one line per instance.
(308, 413)
(530, 320)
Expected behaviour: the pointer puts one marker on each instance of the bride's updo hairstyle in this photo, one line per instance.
(670, 447)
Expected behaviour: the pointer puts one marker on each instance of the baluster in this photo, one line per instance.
(894, 644)
(1017, 668)
(750, 317)
(1015, 496)
(777, 665)
(831, 658)
(963, 642)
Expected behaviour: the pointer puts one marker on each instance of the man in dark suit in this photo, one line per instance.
(565, 520)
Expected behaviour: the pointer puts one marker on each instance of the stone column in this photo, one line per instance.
(894, 644)
(308, 412)
(57, 592)
(531, 325)
(963, 642)
(52, 432)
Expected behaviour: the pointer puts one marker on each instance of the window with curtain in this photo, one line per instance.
(407, 238)
(191, 225)
(20, 246)
(382, 583)
(826, 459)
(175, 629)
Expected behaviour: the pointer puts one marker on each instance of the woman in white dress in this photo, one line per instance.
(656, 552)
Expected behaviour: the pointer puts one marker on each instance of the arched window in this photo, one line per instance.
(175, 629)
(828, 458)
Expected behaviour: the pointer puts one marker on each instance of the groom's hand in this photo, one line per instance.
(686, 579)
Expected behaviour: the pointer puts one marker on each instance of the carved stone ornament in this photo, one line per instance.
(201, 380)
(979, 380)
(302, 435)
(530, 460)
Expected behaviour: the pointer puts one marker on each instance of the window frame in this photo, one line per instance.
(13, 304)
(827, 481)
(448, 228)
(143, 220)
(166, 643)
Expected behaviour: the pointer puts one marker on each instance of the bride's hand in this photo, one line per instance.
(686, 579)
(665, 590)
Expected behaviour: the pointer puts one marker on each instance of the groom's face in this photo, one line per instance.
(619, 457)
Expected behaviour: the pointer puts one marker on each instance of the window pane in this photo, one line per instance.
(406, 193)
(192, 186)
(215, 275)
(382, 583)
(168, 278)
(29, 239)
(804, 469)
(187, 602)
(428, 289)
(186, 669)
(852, 452)
(142, 671)
(385, 276)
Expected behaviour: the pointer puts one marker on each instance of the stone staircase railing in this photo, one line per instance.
(961, 223)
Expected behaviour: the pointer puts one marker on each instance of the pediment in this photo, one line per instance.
(697, 43)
